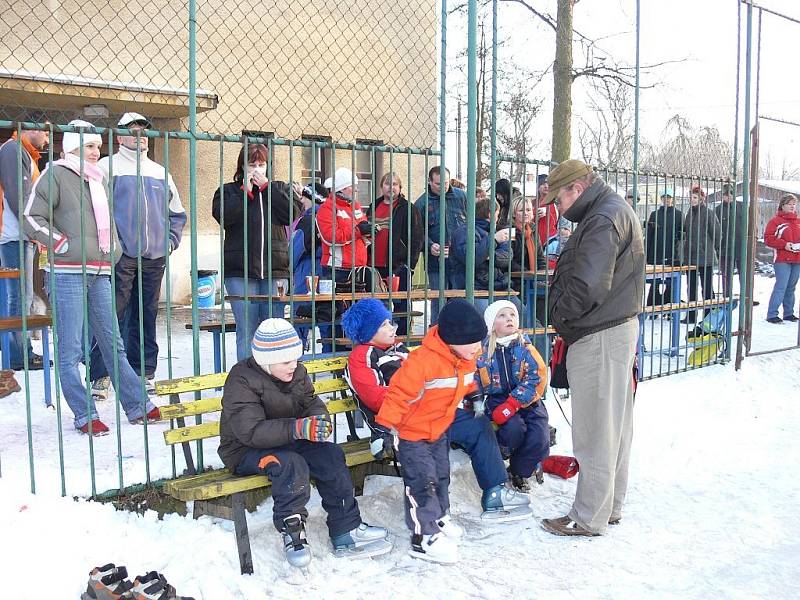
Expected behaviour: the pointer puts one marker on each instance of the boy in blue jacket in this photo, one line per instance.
(513, 376)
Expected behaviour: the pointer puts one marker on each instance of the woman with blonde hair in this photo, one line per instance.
(399, 238)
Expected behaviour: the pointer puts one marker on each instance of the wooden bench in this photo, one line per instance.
(219, 492)
(9, 325)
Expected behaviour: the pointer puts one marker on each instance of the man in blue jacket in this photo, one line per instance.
(455, 216)
(150, 220)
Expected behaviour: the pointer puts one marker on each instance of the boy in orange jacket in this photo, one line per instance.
(419, 406)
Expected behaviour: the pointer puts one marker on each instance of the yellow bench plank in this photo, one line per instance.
(191, 433)
(215, 484)
(211, 405)
(198, 383)
(203, 431)
(187, 409)
(195, 383)
(326, 386)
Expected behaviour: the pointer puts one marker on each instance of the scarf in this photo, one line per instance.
(94, 176)
(508, 340)
(530, 248)
(34, 154)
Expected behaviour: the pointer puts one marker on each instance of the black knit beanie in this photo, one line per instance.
(461, 323)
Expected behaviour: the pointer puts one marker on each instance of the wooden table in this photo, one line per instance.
(410, 295)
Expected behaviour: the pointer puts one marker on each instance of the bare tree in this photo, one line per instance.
(690, 149)
(518, 112)
(596, 63)
(606, 133)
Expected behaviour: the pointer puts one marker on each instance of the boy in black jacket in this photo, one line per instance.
(273, 424)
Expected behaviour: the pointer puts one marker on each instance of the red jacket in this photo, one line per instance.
(547, 226)
(424, 393)
(349, 249)
(782, 228)
(370, 368)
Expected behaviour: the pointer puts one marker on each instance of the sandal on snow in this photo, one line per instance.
(108, 582)
(154, 586)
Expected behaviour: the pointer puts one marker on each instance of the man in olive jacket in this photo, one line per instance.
(272, 424)
(596, 296)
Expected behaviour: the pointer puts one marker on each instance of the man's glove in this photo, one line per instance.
(365, 228)
(506, 410)
(314, 429)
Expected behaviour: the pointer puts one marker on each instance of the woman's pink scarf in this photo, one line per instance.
(97, 190)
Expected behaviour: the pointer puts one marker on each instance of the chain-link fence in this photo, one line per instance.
(341, 70)
(223, 226)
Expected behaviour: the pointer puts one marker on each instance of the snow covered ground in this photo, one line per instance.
(711, 510)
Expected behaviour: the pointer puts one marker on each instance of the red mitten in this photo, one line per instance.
(506, 410)
(561, 466)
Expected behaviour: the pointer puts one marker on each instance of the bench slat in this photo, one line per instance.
(187, 409)
(195, 383)
(199, 383)
(215, 484)
(327, 386)
(191, 433)
(203, 431)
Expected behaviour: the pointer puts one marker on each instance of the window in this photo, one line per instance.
(369, 169)
(316, 160)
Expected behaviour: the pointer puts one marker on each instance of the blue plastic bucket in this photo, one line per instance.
(206, 289)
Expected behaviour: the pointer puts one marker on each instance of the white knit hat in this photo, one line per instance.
(341, 179)
(490, 314)
(72, 139)
(276, 341)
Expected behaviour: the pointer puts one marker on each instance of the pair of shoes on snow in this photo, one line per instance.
(110, 582)
(363, 541)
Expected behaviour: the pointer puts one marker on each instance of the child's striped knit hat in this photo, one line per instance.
(276, 341)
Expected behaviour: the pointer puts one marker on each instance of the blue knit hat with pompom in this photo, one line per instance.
(362, 320)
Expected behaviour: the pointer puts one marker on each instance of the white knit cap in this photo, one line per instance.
(341, 179)
(490, 314)
(72, 139)
(276, 341)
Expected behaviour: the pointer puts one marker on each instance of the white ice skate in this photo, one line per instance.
(450, 528)
(365, 541)
(436, 548)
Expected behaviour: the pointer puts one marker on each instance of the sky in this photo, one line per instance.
(700, 35)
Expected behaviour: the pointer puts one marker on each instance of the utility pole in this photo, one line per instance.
(458, 140)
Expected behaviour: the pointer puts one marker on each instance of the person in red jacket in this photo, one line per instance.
(546, 214)
(783, 234)
(343, 227)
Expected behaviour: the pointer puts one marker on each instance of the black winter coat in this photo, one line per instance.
(401, 243)
(664, 229)
(702, 236)
(260, 231)
(259, 411)
(598, 282)
(732, 219)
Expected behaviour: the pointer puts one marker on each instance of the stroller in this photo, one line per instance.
(709, 339)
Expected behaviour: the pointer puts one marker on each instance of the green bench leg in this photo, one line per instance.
(242, 536)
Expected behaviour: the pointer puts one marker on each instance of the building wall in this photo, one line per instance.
(338, 68)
